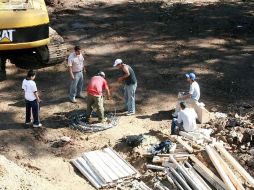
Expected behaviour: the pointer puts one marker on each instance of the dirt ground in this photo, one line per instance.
(161, 40)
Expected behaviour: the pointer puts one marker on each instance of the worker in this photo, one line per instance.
(186, 120)
(95, 95)
(190, 98)
(32, 99)
(130, 80)
(76, 68)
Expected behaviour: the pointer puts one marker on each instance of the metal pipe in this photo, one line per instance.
(179, 179)
(175, 181)
(185, 174)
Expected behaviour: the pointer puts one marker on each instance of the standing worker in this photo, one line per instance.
(130, 80)
(95, 95)
(190, 98)
(76, 68)
(32, 99)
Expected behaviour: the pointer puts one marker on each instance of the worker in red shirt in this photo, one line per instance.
(95, 95)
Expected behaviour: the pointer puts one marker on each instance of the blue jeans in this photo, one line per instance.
(34, 105)
(76, 85)
(129, 97)
(176, 127)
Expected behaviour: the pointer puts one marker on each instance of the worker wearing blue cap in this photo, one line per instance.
(191, 97)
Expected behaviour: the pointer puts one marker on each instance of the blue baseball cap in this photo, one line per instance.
(192, 76)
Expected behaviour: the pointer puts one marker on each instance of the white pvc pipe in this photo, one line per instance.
(154, 167)
(185, 174)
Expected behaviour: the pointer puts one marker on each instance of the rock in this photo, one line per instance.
(252, 151)
(237, 116)
(242, 162)
(214, 109)
(230, 140)
(231, 122)
(250, 163)
(223, 138)
(65, 139)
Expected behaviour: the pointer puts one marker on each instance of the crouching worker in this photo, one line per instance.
(186, 120)
(95, 95)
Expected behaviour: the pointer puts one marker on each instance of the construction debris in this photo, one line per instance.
(192, 161)
(186, 171)
(105, 168)
(139, 185)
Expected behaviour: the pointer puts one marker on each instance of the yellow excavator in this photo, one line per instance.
(25, 36)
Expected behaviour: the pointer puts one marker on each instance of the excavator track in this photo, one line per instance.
(57, 49)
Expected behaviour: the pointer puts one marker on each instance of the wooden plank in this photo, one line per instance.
(207, 174)
(228, 184)
(185, 144)
(188, 136)
(235, 164)
(231, 175)
(166, 155)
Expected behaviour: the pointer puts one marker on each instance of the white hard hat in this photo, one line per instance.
(117, 62)
(101, 73)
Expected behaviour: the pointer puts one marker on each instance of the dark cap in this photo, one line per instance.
(77, 48)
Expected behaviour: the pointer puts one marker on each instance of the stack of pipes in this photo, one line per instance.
(181, 173)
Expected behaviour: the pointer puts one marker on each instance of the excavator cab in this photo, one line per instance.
(25, 36)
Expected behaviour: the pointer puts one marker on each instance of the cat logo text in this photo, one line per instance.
(6, 36)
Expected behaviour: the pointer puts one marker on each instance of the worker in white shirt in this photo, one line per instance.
(190, 98)
(76, 68)
(32, 99)
(186, 120)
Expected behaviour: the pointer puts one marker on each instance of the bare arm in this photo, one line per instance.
(108, 93)
(37, 96)
(186, 96)
(71, 73)
(126, 74)
(85, 69)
